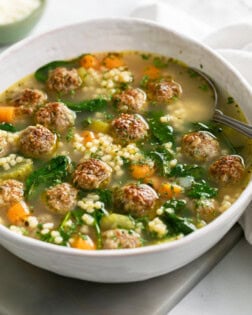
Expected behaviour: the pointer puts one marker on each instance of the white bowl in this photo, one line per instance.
(111, 35)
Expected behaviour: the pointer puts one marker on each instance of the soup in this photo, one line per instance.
(116, 150)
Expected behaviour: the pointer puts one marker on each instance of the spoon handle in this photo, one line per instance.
(233, 123)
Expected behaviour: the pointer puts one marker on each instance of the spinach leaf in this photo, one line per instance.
(179, 224)
(93, 105)
(161, 157)
(105, 196)
(209, 126)
(7, 127)
(42, 73)
(175, 204)
(98, 214)
(54, 171)
(160, 131)
(183, 170)
(202, 190)
(176, 223)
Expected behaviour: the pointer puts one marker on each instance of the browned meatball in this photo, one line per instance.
(63, 80)
(200, 146)
(55, 116)
(163, 91)
(128, 127)
(120, 238)
(92, 174)
(207, 209)
(37, 141)
(28, 100)
(11, 192)
(4, 144)
(137, 200)
(61, 198)
(228, 169)
(131, 100)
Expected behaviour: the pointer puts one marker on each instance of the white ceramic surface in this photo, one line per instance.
(107, 35)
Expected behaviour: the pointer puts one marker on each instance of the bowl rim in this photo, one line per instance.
(41, 6)
(242, 200)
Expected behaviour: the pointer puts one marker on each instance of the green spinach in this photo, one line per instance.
(53, 172)
(7, 127)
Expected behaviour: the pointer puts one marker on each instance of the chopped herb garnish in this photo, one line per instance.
(230, 100)
(160, 62)
(192, 73)
(145, 56)
(204, 87)
(144, 81)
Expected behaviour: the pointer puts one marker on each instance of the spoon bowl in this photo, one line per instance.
(218, 115)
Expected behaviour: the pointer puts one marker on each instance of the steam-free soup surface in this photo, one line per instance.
(116, 150)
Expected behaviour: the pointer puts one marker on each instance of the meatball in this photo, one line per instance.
(131, 100)
(137, 200)
(228, 169)
(63, 80)
(37, 141)
(92, 174)
(11, 192)
(200, 146)
(207, 209)
(4, 144)
(128, 127)
(55, 116)
(61, 198)
(120, 238)
(163, 91)
(28, 100)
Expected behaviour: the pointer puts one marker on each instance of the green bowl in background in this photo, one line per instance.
(12, 32)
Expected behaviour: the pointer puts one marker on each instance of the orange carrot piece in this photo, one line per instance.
(140, 171)
(81, 243)
(113, 61)
(168, 190)
(88, 136)
(7, 114)
(152, 72)
(89, 61)
(18, 212)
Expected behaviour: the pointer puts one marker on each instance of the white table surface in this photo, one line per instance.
(227, 289)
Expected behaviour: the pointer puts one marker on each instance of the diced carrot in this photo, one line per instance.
(81, 243)
(7, 114)
(154, 181)
(88, 136)
(140, 171)
(18, 212)
(113, 61)
(152, 72)
(89, 61)
(168, 190)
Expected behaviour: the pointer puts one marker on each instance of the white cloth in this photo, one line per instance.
(233, 42)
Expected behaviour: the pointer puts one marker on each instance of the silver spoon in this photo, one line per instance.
(218, 114)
